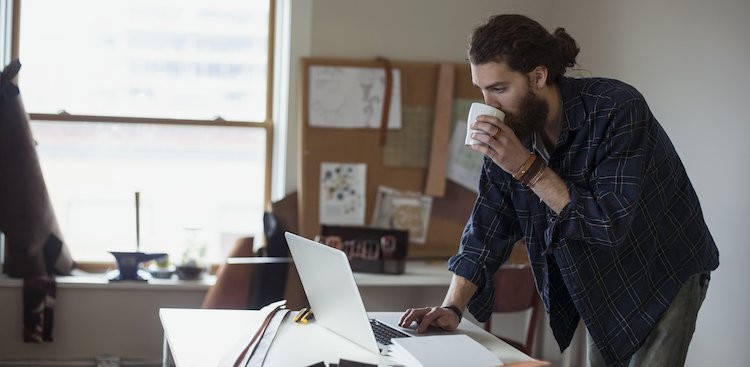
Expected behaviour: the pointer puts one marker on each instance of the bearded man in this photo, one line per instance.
(582, 171)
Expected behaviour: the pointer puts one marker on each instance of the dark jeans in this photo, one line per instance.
(667, 345)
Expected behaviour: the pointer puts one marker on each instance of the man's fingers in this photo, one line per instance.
(489, 125)
(407, 318)
(427, 316)
(436, 317)
(426, 321)
(424, 317)
(404, 316)
(411, 315)
(447, 323)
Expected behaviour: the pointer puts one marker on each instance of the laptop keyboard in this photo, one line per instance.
(384, 333)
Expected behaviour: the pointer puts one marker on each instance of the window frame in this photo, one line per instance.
(267, 124)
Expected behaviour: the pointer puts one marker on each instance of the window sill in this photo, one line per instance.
(100, 281)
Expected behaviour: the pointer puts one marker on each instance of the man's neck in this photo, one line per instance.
(553, 126)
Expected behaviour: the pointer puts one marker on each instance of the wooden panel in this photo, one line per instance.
(441, 131)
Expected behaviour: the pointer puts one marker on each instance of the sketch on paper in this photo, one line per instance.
(342, 193)
(464, 164)
(405, 210)
(351, 97)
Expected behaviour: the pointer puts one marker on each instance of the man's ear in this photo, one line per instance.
(538, 77)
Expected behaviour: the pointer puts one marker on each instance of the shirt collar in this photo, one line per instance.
(574, 115)
(537, 145)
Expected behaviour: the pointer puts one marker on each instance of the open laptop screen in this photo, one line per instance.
(331, 290)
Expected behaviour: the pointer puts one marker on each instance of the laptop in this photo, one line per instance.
(334, 297)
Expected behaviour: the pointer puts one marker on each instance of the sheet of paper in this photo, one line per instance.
(406, 210)
(351, 97)
(342, 193)
(464, 164)
(443, 351)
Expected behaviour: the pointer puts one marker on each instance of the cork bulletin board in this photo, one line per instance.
(408, 160)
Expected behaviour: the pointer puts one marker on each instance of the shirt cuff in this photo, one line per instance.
(466, 267)
(480, 304)
(556, 221)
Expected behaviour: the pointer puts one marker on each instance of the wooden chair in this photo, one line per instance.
(250, 281)
(515, 291)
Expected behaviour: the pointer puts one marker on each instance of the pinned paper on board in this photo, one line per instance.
(464, 163)
(405, 210)
(342, 193)
(352, 97)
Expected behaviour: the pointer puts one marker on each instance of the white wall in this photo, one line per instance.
(300, 18)
(690, 60)
(94, 319)
(688, 57)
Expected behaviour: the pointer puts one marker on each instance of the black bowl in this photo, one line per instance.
(186, 272)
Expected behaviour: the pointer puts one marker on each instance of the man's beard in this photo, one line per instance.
(531, 117)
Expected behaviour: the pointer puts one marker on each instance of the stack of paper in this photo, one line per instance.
(442, 350)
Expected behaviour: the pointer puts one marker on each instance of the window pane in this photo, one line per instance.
(188, 177)
(182, 59)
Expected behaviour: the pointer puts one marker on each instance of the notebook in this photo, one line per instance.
(443, 351)
(334, 297)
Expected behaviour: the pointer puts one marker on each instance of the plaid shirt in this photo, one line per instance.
(620, 250)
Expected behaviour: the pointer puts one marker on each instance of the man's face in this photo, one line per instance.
(511, 92)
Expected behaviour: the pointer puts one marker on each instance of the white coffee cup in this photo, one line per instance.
(476, 110)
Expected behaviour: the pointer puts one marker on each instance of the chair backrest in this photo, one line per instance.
(515, 291)
(248, 283)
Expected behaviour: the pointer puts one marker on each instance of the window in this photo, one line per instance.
(167, 98)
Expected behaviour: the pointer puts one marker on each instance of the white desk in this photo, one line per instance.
(200, 338)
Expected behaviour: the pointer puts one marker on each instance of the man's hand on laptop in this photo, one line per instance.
(441, 317)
